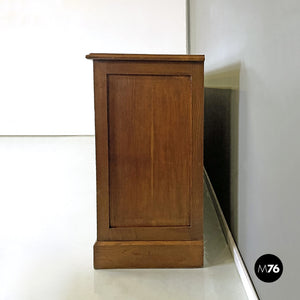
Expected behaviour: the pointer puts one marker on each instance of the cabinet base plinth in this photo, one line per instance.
(148, 254)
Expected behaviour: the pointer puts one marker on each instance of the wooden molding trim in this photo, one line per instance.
(148, 254)
(146, 57)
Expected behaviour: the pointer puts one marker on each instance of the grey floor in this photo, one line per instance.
(48, 227)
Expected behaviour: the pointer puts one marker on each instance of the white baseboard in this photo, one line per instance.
(242, 270)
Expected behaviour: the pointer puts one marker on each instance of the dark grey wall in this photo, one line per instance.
(217, 144)
(221, 143)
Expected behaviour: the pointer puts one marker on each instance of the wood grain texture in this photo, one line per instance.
(149, 169)
(130, 122)
(172, 150)
(197, 156)
(145, 57)
(152, 254)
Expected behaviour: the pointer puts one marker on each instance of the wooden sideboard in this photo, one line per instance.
(149, 160)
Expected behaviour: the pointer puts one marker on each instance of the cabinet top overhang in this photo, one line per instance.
(146, 57)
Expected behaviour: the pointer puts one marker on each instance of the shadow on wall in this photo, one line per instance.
(221, 119)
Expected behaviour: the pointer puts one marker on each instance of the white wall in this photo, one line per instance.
(46, 82)
(263, 39)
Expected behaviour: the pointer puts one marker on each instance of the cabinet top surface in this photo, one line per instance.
(146, 57)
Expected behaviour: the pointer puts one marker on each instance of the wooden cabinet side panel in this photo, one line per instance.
(193, 215)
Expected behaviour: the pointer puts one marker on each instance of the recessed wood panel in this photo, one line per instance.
(150, 150)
